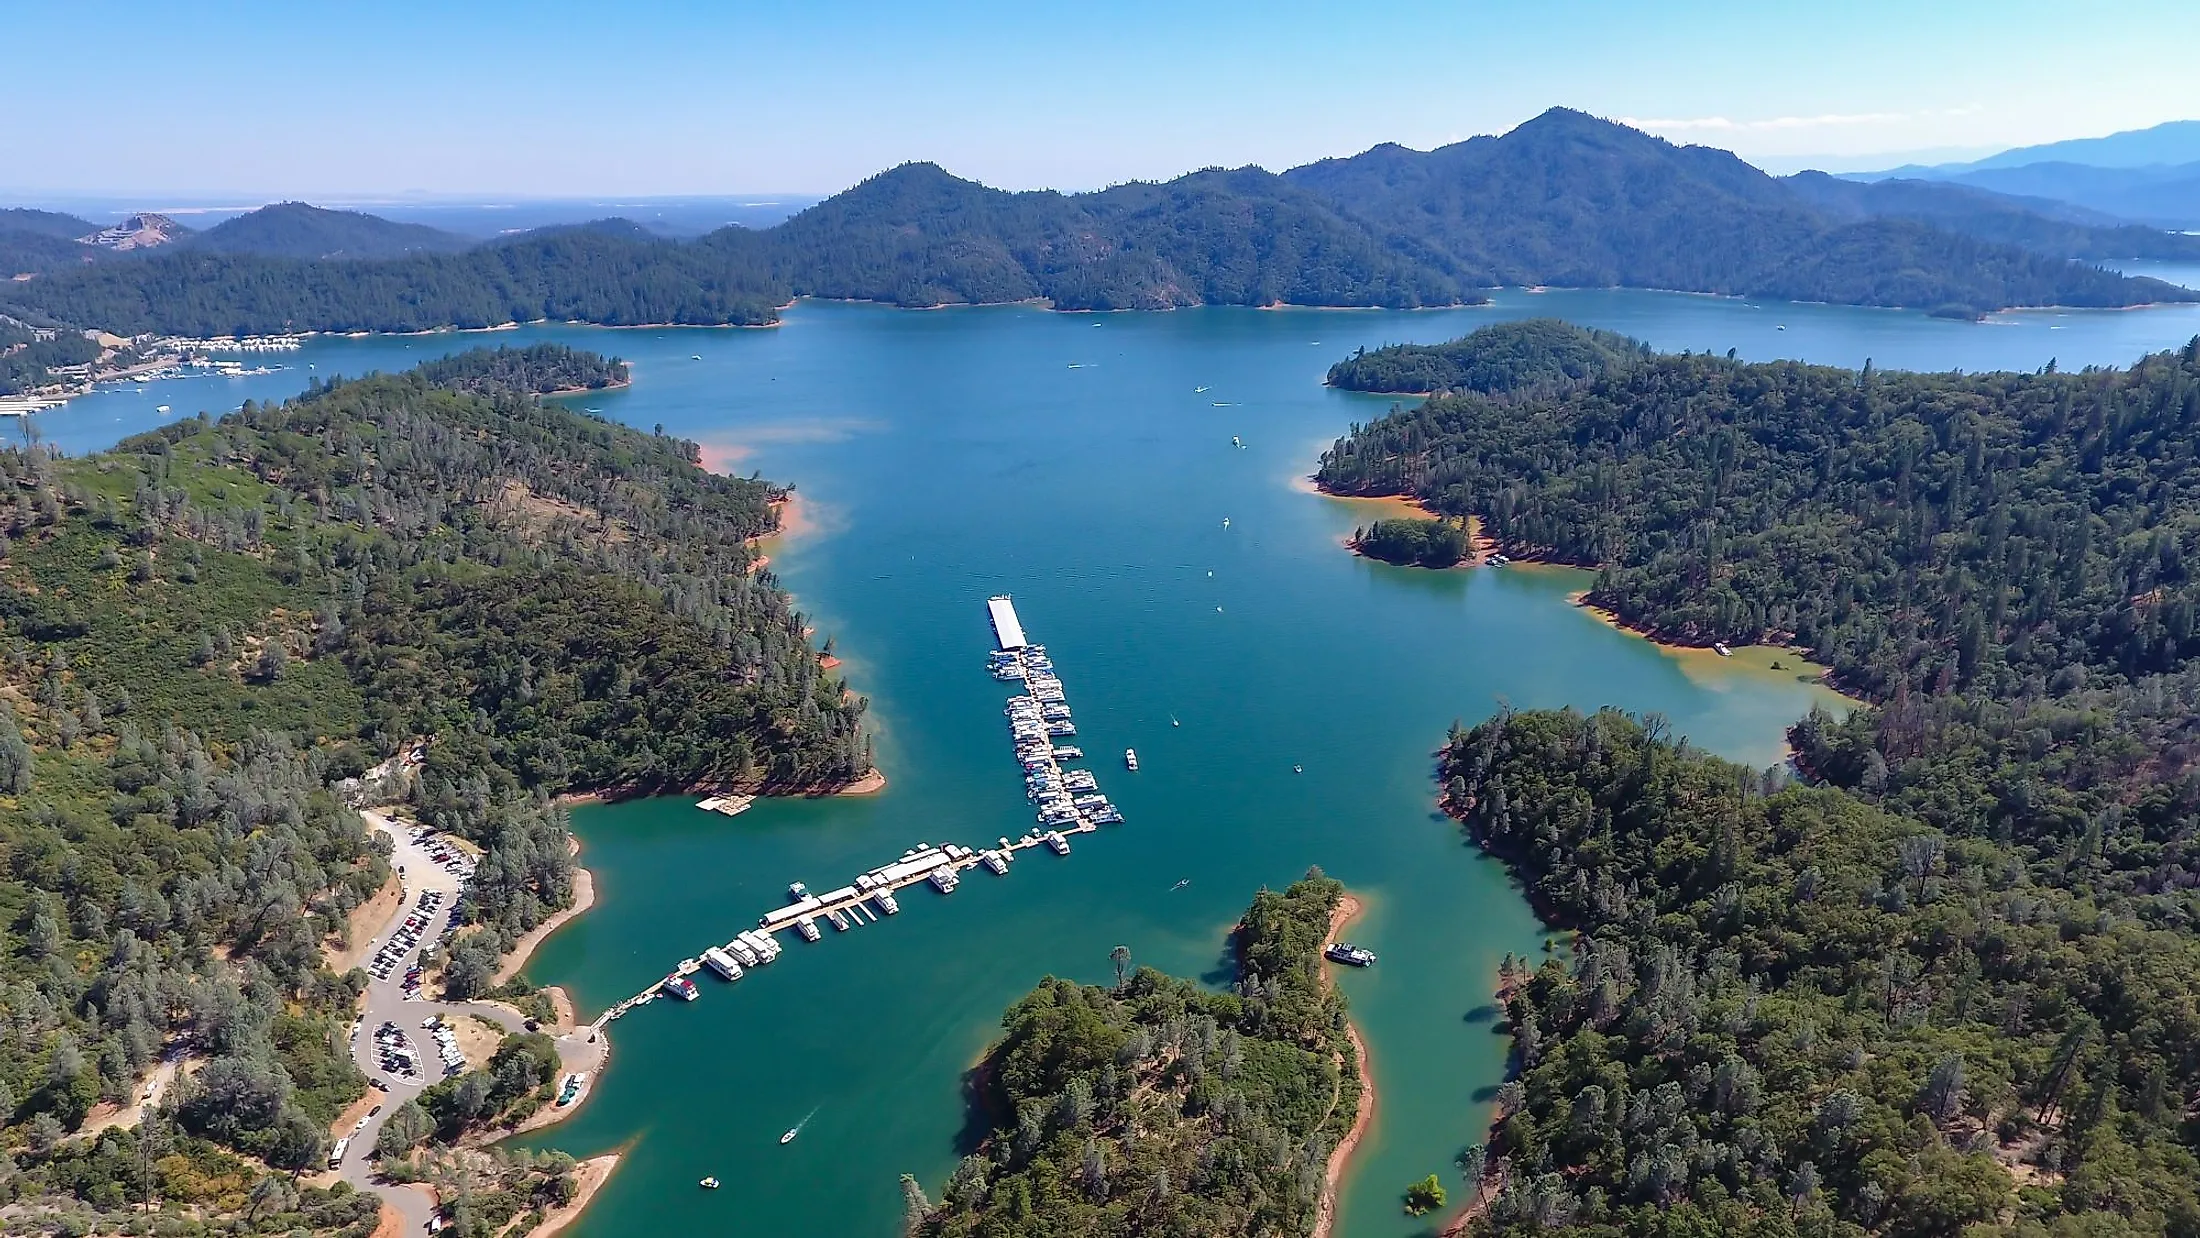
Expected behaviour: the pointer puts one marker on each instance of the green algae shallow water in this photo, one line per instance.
(947, 456)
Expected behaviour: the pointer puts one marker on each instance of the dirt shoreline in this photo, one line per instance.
(584, 897)
(589, 1177)
(1347, 910)
(1405, 507)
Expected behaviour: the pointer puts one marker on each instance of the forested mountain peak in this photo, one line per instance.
(302, 230)
(1569, 199)
(1565, 199)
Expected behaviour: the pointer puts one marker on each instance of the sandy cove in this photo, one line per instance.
(589, 1177)
(1401, 507)
(1347, 910)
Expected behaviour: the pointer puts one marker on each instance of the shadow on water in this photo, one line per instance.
(1485, 1013)
(1223, 973)
(978, 1117)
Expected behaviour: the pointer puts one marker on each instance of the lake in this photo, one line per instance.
(1084, 464)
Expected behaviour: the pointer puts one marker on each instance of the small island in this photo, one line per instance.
(1418, 542)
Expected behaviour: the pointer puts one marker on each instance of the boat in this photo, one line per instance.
(719, 961)
(695, 356)
(1721, 649)
(1069, 754)
(1180, 885)
(1347, 953)
(1130, 759)
(1200, 390)
(807, 929)
(1298, 769)
(994, 863)
(886, 902)
(789, 1136)
(1173, 721)
(709, 1184)
(839, 919)
(1057, 842)
(1225, 522)
(730, 805)
(680, 987)
(160, 408)
(945, 880)
(796, 891)
(1235, 441)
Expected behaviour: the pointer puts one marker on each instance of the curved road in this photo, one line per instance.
(579, 1050)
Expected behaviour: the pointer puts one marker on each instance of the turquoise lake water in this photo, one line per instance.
(946, 456)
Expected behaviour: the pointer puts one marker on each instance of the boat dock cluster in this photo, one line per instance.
(1068, 802)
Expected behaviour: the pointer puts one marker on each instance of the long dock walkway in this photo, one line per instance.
(1036, 720)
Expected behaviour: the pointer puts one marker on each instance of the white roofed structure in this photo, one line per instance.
(1006, 629)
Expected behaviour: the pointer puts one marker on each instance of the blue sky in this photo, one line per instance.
(549, 97)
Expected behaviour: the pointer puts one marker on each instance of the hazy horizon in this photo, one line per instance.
(557, 100)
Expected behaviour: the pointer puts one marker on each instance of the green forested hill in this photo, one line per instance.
(301, 230)
(1568, 199)
(1797, 1013)
(1950, 986)
(1159, 1107)
(1565, 199)
(1937, 530)
(578, 275)
(1502, 357)
(2055, 229)
(206, 626)
(918, 236)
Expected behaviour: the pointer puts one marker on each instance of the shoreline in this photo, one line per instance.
(589, 1176)
(1404, 507)
(1691, 656)
(1347, 910)
(584, 897)
(620, 385)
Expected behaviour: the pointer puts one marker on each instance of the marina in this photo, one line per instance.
(1115, 581)
(1066, 802)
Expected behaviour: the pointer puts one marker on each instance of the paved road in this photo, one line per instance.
(385, 1001)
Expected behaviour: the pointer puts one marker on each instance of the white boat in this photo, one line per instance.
(796, 891)
(994, 862)
(680, 987)
(719, 961)
(1721, 649)
(886, 902)
(1130, 759)
(1057, 842)
(808, 929)
(945, 880)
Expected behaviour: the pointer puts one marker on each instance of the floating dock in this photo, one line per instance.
(863, 900)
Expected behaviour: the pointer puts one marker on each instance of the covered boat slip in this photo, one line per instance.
(1006, 628)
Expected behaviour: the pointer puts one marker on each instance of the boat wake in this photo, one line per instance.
(797, 1129)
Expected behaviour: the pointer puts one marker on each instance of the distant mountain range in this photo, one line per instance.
(1563, 200)
(2145, 176)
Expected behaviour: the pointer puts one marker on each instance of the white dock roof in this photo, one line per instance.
(1006, 629)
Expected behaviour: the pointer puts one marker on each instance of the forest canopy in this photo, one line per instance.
(1161, 1107)
(206, 627)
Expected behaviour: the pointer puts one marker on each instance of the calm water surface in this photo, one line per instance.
(943, 457)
